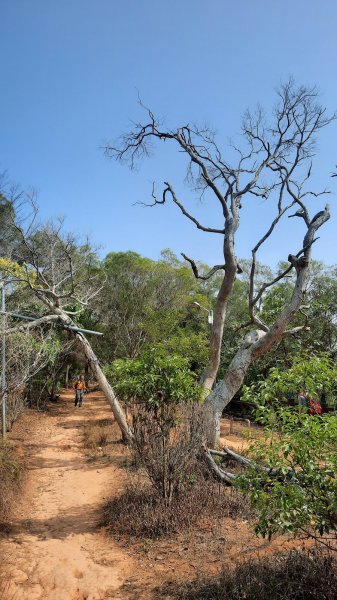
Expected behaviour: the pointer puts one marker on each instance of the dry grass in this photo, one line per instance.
(98, 436)
(172, 489)
(141, 512)
(306, 575)
(10, 476)
(11, 471)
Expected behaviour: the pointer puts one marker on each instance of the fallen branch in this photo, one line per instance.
(39, 322)
(226, 452)
(224, 476)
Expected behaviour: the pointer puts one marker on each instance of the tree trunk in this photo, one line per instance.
(208, 377)
(220, 311)
(218, 472)
(226, 389)
(53, 387)
(106, 388)
(258, 342)
(102, 380)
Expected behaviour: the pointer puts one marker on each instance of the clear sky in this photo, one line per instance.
(70, 71)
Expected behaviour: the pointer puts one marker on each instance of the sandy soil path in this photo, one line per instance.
(53, 547)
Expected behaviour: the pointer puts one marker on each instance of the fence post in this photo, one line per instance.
(3, 374)
(231, 421)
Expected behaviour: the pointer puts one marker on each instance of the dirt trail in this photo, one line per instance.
(53, 546)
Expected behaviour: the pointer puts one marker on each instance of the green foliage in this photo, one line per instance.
(146, 303)
(23, 345)
(154, 378)
(322, 296)
(168, 423)
(297, 490)
(17, 273)
(191, 345)
(275, 301)
(315, 374)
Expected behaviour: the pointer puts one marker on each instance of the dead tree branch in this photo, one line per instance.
(269, 164)
(196, 270)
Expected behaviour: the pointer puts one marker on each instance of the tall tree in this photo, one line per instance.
(274, 163)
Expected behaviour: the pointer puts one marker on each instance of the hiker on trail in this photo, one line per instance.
(79, 387)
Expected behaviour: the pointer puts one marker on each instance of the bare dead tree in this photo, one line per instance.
(275, 164)
(64, 277)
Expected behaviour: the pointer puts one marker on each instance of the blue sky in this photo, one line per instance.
(70, 71)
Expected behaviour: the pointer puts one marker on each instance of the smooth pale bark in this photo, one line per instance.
(220, 311)
(229, 478)
(258, 342)
(224, 476)
(105, 386)
(226, 389)
(226, 452)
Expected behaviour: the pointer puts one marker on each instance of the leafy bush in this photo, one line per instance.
(315, 374)
(297, 489)
(169, 424)
(155, 377)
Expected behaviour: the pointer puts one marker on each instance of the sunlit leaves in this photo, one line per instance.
(15, 272)
(297, 489)
(153, 378)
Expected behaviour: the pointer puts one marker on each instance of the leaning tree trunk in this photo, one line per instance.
(258, 342)
(101, 378)
(106, 388)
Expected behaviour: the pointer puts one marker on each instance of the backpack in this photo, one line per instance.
(314, 407)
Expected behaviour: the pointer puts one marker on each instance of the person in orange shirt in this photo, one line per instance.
(79, 387)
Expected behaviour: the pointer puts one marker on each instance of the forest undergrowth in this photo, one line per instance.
(208, 527)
